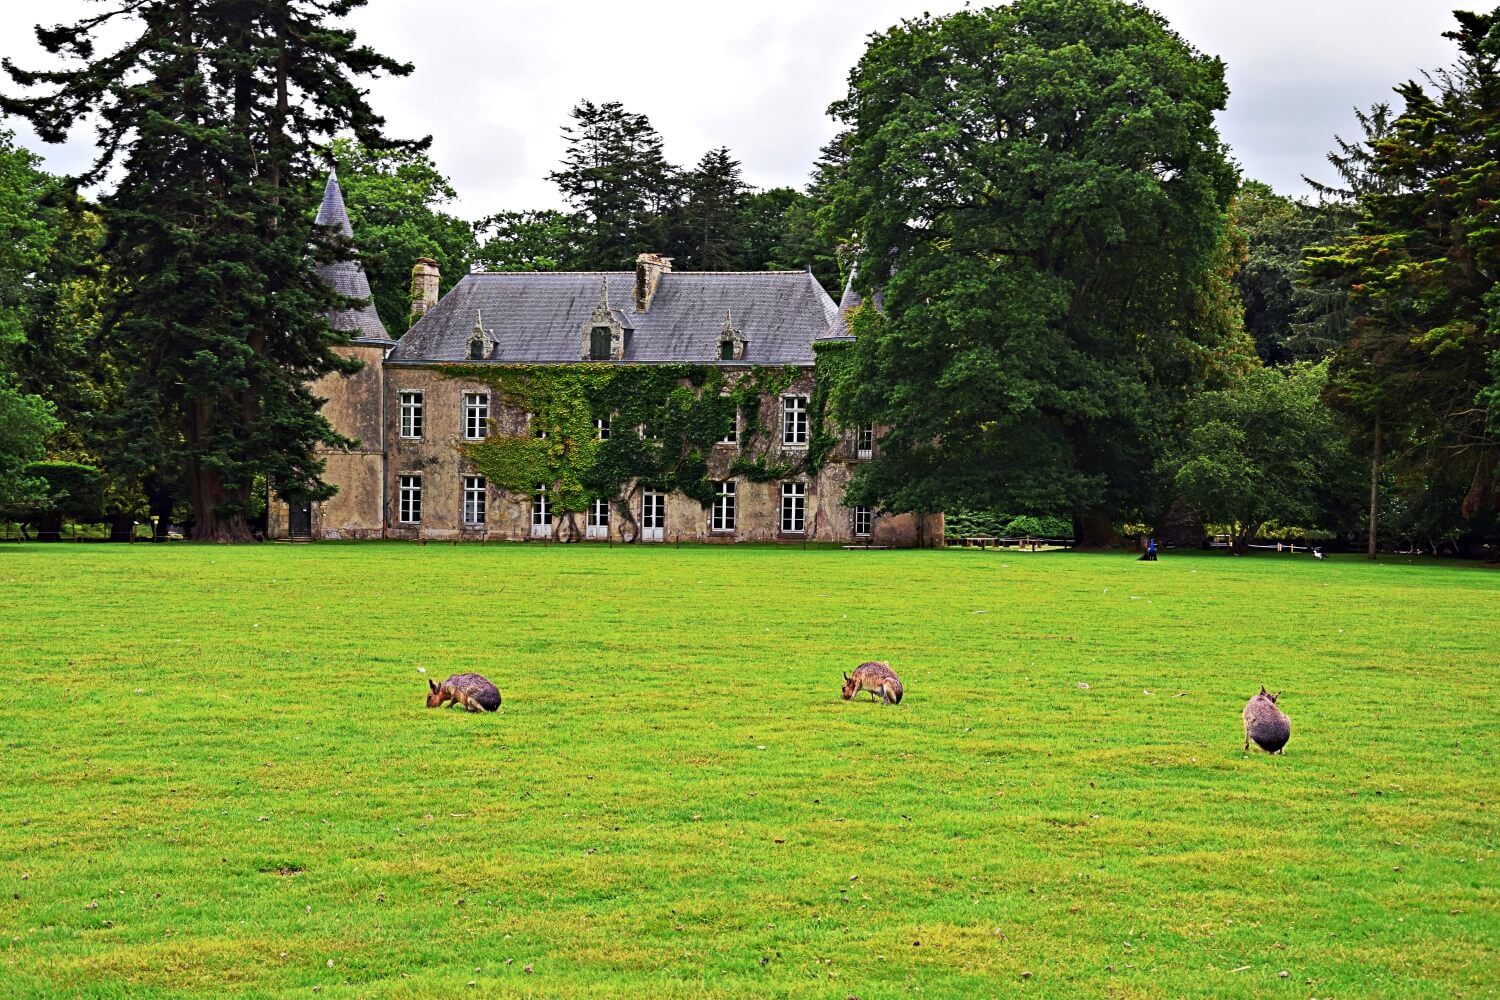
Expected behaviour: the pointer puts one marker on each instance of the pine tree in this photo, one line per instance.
(708, 230)
(213, 112)
(618, 182)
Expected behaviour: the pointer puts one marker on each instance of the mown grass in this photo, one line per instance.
(220, 778)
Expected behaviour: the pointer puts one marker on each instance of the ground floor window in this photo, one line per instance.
(724, 507)
(864, 517)
(793, 507)
(474, 497)
(653, 516)
(411, 500)
(541, 514)
(598, 526)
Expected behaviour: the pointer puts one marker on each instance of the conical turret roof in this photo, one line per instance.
(347, 277)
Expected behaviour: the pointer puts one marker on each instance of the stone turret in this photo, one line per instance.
(424, 286)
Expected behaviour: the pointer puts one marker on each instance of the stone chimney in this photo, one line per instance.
(649, 267)
(424, 286)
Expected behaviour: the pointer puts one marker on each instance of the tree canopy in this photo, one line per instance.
(1047, 218)
(215, 119)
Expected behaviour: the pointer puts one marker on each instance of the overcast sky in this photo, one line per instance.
(495, 79)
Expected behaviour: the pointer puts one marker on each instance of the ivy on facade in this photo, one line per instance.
(664, 419)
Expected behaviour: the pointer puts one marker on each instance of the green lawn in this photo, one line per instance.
(219, 776)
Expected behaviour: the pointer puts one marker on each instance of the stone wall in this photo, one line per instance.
(437, 459)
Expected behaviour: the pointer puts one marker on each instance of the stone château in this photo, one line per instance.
(423, 406)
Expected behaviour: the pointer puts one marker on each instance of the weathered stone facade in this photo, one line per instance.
(407, 479)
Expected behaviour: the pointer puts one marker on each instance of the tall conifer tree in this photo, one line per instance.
(214, 113)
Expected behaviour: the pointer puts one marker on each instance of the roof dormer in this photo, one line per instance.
(482, 343)
(603, 333)
(732, 343)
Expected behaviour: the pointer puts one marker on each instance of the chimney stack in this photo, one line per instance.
(424, 286)
(649, 267)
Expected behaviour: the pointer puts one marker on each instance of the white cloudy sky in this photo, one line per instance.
(495, 79)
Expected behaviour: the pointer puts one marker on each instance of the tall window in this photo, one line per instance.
(537, 429)
(724, 507)
(601, 428)
(476, 349)
(474, 497)
(541, 514)
(794, 421)
(476, 415)
(411, 500)
(411, 414)
(599, 343)
(653, 516)
(726, 350)
(598, 525)
(864, 441)
(732, 432)
(793, 507)
(864, 517)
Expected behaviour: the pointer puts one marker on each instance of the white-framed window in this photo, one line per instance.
(864, 441)
(732, 434)
(411, 415)
(541, 514)
(864, 518)
(410, 500)
(647, 432)
(793, 508)
(601, 428)
(794, 421)
(723, 515)
(598, 524)
(476, 415)
(653, 516)
(475, 492)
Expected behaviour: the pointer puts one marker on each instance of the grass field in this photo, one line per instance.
(219, 776)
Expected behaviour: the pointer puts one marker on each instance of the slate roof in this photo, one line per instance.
(538, 317)
(348, 276)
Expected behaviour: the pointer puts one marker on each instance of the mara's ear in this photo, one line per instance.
(846, 676)
(432, 685)
(1275, 696)
(1262, 689)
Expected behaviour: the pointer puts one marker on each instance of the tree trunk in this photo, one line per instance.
(1094, 530)
(210, 522)
(48, 526)
(121, 526)
(1374, 484)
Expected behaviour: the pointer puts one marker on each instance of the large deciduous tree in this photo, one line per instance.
(1265, 448)
(26, 239)
(397, 201)
(213, 112)
(1422, 364)
(1040, 192)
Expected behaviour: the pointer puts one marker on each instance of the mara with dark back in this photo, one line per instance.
(473, 691)
(1265, 724)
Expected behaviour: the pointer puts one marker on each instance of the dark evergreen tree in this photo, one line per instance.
(707, 232)
(1421, 367)
(213, 111)
(617, 181)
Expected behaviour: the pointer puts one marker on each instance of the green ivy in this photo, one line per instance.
(684, 408)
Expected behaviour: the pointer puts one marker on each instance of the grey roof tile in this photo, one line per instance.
(538, 317)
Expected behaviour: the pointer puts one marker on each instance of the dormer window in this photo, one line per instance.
(599, 338)
(731, 341)
(479, 340)
(603, 334)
